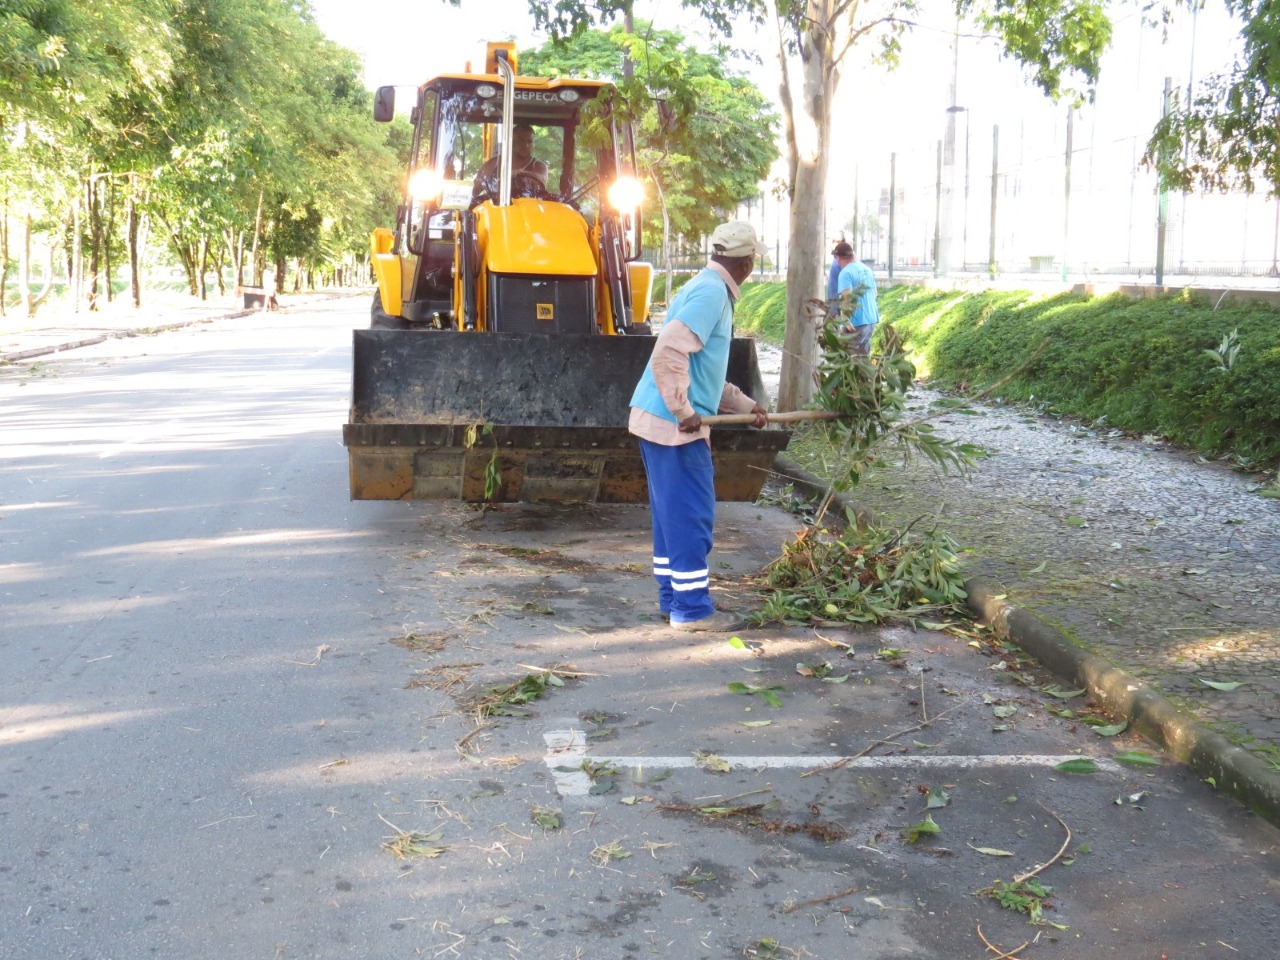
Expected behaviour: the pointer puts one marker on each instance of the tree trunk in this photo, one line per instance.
(32, 301)
(75, 257)
(218, 264)
(257, 240)
(666, 237)
(800, 344)
(188, 255)
(108, 234)
(4, 254)
(234, 240)
(203, 259)
(825, 28)
(95, 240)
(135, 278)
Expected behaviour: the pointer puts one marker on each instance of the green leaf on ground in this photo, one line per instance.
(1111, 730)
(546, 817)
(1220, 684)
(764, 693)
(1081, 765)
(1136, 758)
(937, 798)
(712, 762)
(926, 826)
(990, 851)
(1056, 691)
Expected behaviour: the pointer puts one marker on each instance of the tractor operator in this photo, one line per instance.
(684, 381)
(522, 158)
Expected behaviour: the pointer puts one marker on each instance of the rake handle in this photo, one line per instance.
(794, 416)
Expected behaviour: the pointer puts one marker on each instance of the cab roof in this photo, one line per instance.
(522, 82)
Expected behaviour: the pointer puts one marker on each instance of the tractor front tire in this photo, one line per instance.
(381, 320)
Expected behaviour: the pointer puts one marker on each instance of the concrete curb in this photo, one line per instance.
(112, 335)
(1209, 754)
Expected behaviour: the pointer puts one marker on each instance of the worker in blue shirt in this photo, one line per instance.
(683, 382)
(856, 280)
(841, 249)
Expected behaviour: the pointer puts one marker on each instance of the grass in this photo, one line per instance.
(1138, 366)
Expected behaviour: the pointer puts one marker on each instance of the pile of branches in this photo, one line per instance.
(863, 575)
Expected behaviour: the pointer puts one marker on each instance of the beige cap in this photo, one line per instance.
(737, 238)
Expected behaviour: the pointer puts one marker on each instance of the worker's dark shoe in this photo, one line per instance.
(721, 621)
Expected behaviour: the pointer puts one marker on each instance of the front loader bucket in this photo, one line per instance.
(491, 417)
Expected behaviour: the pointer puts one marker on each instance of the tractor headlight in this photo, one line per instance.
(625, 194)
(425, 184)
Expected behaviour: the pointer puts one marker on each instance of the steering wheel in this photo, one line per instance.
(523, 184)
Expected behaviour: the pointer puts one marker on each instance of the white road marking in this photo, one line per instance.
(567, 750)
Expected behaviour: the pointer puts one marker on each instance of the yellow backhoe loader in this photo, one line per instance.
(511, 320)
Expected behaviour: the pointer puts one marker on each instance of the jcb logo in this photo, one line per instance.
(546, 311)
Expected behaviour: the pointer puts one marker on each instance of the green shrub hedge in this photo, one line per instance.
(1138, 365)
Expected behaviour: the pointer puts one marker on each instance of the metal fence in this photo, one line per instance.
(1014, 200)
(1012, 184)
(1060, 206)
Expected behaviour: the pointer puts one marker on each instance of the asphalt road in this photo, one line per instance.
(224, 688)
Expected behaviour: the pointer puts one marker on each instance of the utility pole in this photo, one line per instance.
(1066, 194)
(893, 205)
(944, 246)
(937, 218)
(995, 180)
(1162, 216)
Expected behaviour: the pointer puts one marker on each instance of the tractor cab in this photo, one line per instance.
(514, 176)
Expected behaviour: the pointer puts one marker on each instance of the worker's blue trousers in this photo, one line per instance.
(682, 501)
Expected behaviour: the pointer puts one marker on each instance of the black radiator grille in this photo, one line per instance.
(559, 305)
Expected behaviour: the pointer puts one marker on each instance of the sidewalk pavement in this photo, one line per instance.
(23, 338)
(1211, 755)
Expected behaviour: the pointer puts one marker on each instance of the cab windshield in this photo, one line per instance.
(469, 130)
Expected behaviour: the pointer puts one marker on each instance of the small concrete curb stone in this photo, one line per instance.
(1209, 754)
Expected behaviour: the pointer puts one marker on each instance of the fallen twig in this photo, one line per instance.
(871, 746)
(816, 900)
(1061, 850)
(462, 743)
(557, 671)
(1001, 954)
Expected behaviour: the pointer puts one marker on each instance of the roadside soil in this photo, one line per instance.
(1163, 563)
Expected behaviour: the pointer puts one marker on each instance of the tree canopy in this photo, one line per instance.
(1228, 126)
(216, 126)
(1060, 42)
